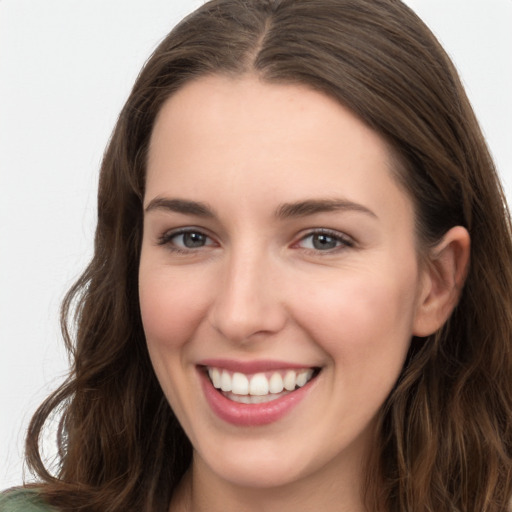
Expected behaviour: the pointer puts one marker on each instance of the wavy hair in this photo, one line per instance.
(444, 439)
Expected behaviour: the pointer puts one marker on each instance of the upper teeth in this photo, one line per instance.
(260, 383)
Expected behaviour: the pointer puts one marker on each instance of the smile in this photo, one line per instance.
(259, 387)
(255, 393)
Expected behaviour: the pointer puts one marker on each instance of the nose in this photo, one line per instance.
(249, 303)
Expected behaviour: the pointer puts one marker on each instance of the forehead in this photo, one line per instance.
(221, 136)
(218, 106)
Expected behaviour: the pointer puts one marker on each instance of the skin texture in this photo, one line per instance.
(259, 288)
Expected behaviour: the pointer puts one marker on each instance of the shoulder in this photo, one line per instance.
(22, 500)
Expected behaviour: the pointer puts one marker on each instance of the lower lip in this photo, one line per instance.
(250, 415)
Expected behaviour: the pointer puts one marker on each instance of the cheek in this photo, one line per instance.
(170, 308)
(170, 313)
(363, 321)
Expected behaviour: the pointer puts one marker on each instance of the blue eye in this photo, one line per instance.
(324, 241)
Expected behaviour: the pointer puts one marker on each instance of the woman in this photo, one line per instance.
(282, 310)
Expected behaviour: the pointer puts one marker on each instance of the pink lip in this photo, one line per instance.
(248, 415)
(250, 367)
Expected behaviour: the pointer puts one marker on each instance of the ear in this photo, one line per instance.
(443, 279)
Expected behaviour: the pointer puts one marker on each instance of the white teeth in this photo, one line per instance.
(225, 381)
(289, 380)
(215, 376)
(258, 385)
(303, 377)
(240, 384)
(250, 399)
(275, 384)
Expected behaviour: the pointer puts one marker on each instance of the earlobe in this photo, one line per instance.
(444, 276)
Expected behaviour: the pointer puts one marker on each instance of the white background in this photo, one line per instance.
(66, 67)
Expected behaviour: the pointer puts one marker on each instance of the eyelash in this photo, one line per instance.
(342, 241)
(167, 240)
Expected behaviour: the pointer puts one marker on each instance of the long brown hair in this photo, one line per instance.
(445, 433)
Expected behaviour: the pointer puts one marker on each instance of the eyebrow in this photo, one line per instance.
(314, 206)
(180, 206)
(284, 211)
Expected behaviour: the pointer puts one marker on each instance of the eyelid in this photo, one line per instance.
(165, 239)
(345, 240)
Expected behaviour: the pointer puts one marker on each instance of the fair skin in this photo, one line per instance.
(276, 237)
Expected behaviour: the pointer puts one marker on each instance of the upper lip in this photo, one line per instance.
(249, 367)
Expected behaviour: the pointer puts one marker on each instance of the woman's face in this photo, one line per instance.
(279, 257)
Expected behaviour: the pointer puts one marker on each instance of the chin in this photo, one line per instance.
(258, 473)
(266, 464)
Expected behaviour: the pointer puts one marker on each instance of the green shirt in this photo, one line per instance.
(22, 500)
